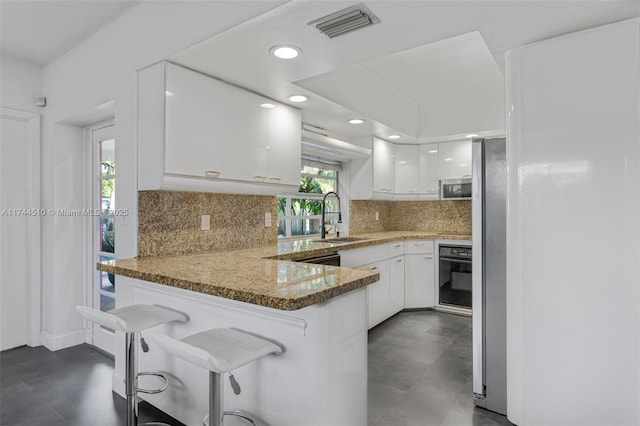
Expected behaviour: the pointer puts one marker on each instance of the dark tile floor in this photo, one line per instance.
(419, 375)
(420, 372)
(65, 388)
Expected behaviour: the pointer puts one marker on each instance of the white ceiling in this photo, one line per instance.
(40, 31)
(431, 71)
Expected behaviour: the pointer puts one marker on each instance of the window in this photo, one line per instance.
(300, 214)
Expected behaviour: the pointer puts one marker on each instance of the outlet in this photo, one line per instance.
(377, 215)
(267, 220)
(205, 222)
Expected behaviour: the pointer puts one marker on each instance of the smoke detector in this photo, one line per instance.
(345, 21)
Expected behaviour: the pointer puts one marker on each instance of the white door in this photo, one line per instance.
(103, 232)
(19, 229)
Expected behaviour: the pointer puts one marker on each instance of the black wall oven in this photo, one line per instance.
(454, 277)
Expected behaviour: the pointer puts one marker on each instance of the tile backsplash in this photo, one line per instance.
(169, 221)
(432, 216)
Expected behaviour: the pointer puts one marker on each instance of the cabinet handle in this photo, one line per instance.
(274, 179)
(399, 260)
(428, 257)
(373, 268)
(260, 177)
(466, 176)
(398, 245)
(418, 244)
(212, 173)
(413, 190)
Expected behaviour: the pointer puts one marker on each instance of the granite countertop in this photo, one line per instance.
(265, 275)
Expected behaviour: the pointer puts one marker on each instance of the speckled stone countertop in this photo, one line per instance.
(264, 276)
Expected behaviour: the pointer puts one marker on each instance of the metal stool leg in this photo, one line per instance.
(130, 379)
(216, 399)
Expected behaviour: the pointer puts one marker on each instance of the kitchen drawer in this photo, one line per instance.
(396, 248)
(363, 256)
(418, 247)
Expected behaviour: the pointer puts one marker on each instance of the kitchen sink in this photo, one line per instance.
(340, 240)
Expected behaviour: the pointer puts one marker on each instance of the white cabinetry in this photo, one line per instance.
(406, 172)
(386, 297)
(419, 287)
(384, 166)
(429, 185)
(396, 284)
(454, 160)
(378, 294)
(407, 165)
(194, 126)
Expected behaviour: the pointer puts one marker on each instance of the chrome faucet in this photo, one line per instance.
(323, 232)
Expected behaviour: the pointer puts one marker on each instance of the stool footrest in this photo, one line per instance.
(236, 413)
(162, 388)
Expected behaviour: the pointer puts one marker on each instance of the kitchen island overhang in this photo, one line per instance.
(317, 312)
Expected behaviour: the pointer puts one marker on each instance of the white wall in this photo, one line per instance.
(100, 69)
(20, 81)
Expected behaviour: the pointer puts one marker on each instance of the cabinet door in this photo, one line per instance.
(407, 164)
(283, 149)
(454, 159)
(384, 173)
(213, 126)
(429, 170)
(419, 281)
(378, 294)
(396, 284)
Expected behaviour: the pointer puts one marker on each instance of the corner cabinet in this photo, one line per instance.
(200, 133)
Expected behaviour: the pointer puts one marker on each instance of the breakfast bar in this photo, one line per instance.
(318, 313)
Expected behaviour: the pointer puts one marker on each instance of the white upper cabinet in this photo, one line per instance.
(407, 162)
(283, 161)
(454, 160)
(384, 166)
(428, 186)
(206, 128)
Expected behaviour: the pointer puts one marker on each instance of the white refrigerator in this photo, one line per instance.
(573, 229)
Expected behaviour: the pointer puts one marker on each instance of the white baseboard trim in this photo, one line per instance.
(62, 341)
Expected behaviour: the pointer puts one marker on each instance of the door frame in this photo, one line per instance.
(34, 224)
(96, 335)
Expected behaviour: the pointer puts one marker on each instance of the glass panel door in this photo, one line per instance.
(103, 238)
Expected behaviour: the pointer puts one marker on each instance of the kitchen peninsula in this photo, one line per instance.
(318, 312)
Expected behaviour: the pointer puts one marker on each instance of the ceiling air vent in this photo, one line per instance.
(346, 20)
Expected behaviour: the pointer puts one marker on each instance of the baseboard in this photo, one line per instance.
(62, 341)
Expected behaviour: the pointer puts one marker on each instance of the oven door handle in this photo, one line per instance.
(450, 259)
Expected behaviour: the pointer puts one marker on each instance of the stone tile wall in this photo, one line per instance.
(169, 221)
(452, 216)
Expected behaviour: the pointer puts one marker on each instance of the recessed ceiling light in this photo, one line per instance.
(356, 121)
(448, 159)
(463, 164)
(471, 135)
(267, 105)
(433, 151)
(285, 51)
(168, 93)
(394, 136)
(298, 98)
(402, 162)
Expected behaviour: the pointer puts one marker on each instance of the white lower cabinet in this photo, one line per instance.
(406, 276)
(378, 294)
(396, 284)
(419, 279)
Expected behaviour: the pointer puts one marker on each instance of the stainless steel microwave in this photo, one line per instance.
(454, 189)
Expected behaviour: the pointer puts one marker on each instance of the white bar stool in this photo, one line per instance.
(131, 320)
(219, 350)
